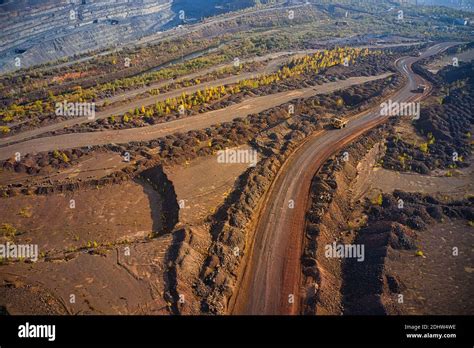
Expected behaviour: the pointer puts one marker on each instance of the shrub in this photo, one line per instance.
(424, 147)
(378, 200)
(4, 129)
(8, 230)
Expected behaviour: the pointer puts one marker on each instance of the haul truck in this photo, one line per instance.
(339, 123)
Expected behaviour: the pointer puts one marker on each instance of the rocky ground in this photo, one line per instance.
(102, 249)
(445, 126)
(231, 226)
(188, 262)
(162, 266)
(418, 238)
(399, 230)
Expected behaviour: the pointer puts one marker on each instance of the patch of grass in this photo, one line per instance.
(378, 200)
(92, 244)
(8, 230)
(61, 156)
(424, 147)
(25, 212)
(4, 129)
(100, 251)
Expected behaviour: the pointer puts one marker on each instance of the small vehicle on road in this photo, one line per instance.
(420, 89)
(339, 123)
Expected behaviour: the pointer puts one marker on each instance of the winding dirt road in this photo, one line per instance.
(272, 272)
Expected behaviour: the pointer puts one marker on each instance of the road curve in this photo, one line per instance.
(272, 272)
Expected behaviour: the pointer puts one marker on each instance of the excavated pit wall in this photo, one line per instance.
(117, 177)
(154, 175)
(157, 178)
(47, 31)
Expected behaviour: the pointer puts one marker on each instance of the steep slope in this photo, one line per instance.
(39, 31)
(44, 30)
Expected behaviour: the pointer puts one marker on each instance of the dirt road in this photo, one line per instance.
(138, 102)
(249, 106)
(275, 59)
(273, 272)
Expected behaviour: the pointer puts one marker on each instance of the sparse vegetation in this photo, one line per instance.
(8, 231)
(26, 212)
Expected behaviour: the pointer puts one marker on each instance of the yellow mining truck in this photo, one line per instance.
(339, 123)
